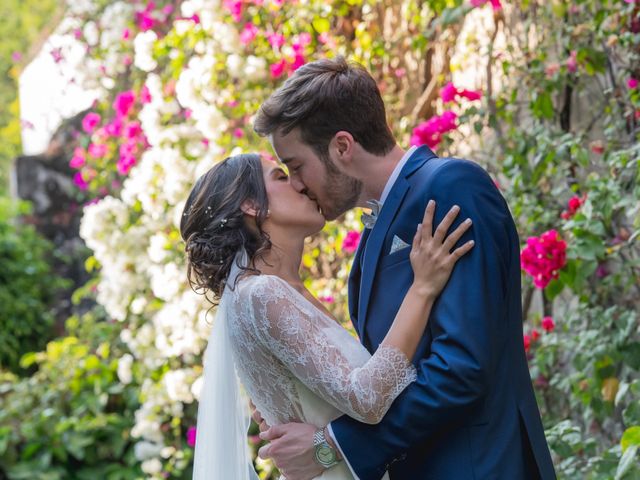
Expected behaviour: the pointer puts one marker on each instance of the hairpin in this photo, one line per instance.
(223, 222)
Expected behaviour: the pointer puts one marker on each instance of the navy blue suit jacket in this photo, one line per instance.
(472, 412)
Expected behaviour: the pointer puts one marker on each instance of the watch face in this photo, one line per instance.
(325, 455)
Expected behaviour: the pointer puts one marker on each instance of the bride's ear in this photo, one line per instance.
(249, 208)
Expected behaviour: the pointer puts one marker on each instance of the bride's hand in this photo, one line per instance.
(432, 258)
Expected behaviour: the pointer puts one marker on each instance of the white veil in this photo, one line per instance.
(222, 451)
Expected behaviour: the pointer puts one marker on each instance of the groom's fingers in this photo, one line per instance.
(272, 433)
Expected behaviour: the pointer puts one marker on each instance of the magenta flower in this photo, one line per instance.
(126, 34)
(191, 436)
(548, 324)
(144, 18)
(632, 83)
(125, 163)
(350, 242)
(430, 132)
(276, 40)
(145, 95)
(235, 8)
(298, 61)
(16, 57)
(90, 121)
(543, 257)
(132, 130)
(79, 181)
(238, 133)
(97, 150)
(124, 103)
(114, 128)
(572, 62)
(327, 299)
(278, 68)
(78, 160)
(449, 93)
(495, 4)
(249, 32)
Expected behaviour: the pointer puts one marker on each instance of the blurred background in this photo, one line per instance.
(110, 110)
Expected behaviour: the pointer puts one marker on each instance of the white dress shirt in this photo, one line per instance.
(385, 193)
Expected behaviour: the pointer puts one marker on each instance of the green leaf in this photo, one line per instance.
(626, 462)
(630, 438)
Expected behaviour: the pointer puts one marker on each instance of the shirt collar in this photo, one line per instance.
(396, 172)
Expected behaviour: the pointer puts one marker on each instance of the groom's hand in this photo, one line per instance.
(291, 448)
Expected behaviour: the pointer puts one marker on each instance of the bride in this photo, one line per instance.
(244, 226)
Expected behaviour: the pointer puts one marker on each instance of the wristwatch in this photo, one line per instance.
(325, 453)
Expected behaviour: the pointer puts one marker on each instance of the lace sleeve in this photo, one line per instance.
(322, 354)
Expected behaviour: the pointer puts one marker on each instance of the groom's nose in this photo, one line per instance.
(298, 186)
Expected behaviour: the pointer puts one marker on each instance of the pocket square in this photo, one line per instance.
(397, 244)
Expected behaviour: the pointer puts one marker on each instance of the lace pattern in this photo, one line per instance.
(279, 336)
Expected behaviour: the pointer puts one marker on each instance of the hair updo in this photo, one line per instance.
(213, 225)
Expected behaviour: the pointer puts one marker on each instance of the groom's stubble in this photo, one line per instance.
(342, 190)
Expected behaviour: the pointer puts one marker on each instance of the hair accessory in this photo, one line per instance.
(223, 222)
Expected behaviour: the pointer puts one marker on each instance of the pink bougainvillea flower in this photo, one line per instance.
(114, 128)
(126, 34)
(430, 132)
(167, 10)
(495, 4)
(16, 56)
(551, 69)
(144, 18)
(350, 242)
(573, 205)
(527, 342)
(79, 181)
(145, 95)
(548, 324)
(124, 103)
(572, 61)
(235, 8)
(327, 299)
(449, 93)
(632, 83)
(56, 54)
(97, 150)
(543, 257)
(78, 160)
(249, 32)
(535, 335)
(191, 436)
(298, 61)
(125, 163)
(132, 130)
(238, 133)
(276, 40)
(278, 68)
(90, 121)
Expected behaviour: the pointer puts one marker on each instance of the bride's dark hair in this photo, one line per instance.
(213, 226)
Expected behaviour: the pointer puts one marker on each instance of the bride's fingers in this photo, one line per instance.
(457, 234)
(459, 252)
(446, 222)
(417, 238)
(427, 219)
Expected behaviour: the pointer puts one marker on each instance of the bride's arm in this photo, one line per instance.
(333, 364)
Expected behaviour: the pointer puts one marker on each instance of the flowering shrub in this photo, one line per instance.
(181, 84)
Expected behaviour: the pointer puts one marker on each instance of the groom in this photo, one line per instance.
(472, 413)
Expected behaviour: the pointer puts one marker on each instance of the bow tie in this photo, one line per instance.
(369, 219)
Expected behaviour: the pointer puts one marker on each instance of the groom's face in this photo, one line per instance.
(320, 180)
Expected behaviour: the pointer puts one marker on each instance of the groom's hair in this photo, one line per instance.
(324, 97)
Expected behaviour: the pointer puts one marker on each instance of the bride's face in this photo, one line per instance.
(288, 208)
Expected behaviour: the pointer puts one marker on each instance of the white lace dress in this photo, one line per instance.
(299, 365)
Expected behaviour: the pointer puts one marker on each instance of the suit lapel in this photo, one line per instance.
(376, 238)
(354, 277)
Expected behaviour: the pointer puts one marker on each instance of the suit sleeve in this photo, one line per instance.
(453, 378)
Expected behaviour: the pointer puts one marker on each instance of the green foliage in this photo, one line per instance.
(27, 286)
(72, 418)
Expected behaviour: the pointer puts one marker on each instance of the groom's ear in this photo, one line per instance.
(341, 148)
